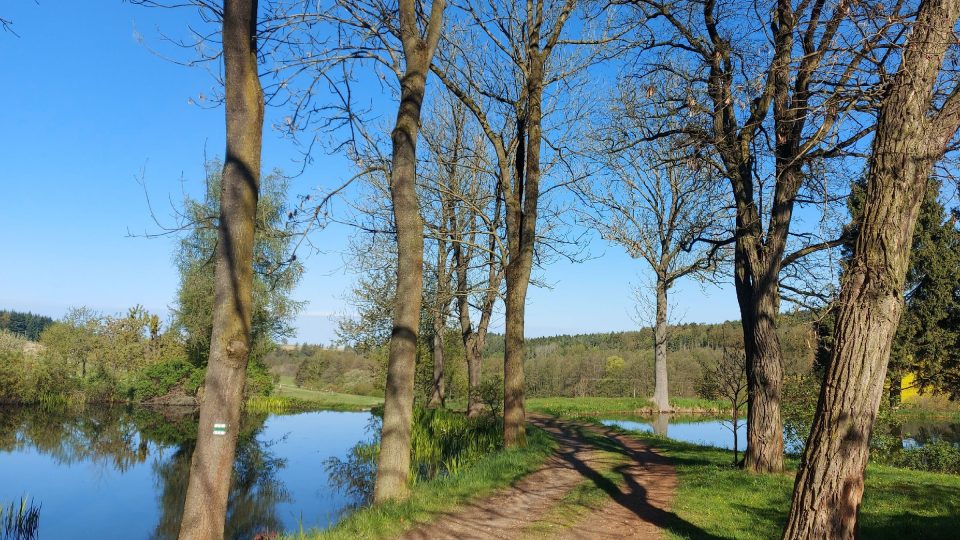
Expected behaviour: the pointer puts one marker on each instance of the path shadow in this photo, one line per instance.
(633, 497)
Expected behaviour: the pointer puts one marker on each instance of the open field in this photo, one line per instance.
(600, 406)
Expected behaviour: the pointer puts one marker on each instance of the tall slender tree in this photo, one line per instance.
(212, 463)
(507, 97)
(393, 466)
(915, 125)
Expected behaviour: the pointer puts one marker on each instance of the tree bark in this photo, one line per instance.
(764, 451)
(393, 465)
(438, 394)
(909, 140)
(205, 506)
(524, 223)
(440, 307)
(661, 397)
(394, 462)
(514, 416)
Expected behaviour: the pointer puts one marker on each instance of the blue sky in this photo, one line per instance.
(88, 109)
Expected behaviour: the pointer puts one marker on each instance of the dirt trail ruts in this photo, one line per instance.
(637, 509)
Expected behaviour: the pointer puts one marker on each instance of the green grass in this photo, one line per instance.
(600, 406)
(928, 409)
(298, 399)
(431, 498)
(715, 500)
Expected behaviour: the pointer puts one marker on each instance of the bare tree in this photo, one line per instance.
(658, 203)
(727, 379)
(919, 116)
(507, 98)
(324, 44)
(464, 225)
(205, 506)
(791, 72)
(393, 466)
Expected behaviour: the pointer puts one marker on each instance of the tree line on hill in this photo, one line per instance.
(24, 324)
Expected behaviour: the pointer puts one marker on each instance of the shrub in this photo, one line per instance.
(158, 379)
(937, 456)
(13, 384)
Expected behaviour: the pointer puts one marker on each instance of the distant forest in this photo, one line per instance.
(605, 364)
(25, 324)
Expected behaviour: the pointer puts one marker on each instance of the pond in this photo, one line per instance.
(122, 473)
(711, 431)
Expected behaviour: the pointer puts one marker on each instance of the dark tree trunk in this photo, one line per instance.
(441, 304)
(765, 384)
(661, 398)
(908, 140)
(474, 364)
(438, 394)
(212, 463)
(514, 417)
(393, 465)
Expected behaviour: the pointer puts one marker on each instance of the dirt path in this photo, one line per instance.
(636, 506)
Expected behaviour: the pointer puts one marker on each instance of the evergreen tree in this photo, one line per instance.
(927, 342)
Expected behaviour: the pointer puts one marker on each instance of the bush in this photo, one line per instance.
(13, 383)
(938, 456)
(491, 393)
(158, 379)
(259, 381)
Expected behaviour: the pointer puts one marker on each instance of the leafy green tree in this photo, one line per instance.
(277, 270)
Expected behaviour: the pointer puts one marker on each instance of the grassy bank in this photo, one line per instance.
(601, 406)
(715, 500)
(443, 494)
(928, 408)
(287, 397)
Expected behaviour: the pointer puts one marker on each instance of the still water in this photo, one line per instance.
(122, 473)
(716, 432)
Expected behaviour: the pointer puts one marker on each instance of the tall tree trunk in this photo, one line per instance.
(908, 140)
(765, 384)
(521, 253)
(661, 398)
(212, 463)
(393, 464)
(473, 350)
(438, 392)
(514, 416)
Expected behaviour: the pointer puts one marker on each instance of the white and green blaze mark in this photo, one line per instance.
(219, 429)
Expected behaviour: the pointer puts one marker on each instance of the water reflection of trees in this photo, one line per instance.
(114, 436)
(255, 489)
(121, 438)
(928, 432)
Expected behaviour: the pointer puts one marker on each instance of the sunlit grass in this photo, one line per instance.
(716, 500)
(287, 397)
(600, 406)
